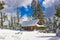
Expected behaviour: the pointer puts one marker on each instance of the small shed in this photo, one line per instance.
(30, 25)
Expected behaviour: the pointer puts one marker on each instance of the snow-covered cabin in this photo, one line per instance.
(31, 24)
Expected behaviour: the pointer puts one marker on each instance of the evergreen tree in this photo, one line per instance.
(18, 20)
(18, 17)
(52, 24)
(55, 21)
(58, 11)
(1, 7)
(11, 22)
(37, 11)
(49, 24)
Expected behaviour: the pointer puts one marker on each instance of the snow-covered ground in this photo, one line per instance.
(26, 35)
(9, 34)
(34, 35)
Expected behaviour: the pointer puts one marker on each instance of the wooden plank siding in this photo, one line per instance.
(30, 27)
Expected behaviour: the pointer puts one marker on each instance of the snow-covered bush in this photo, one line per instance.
(52, 24)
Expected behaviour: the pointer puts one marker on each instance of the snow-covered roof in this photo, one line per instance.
(40, 25)
(30, 23)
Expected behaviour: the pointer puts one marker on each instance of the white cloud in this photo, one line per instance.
(24, 18)
(26, 2)
(50, 7)
(11, 5)
(49, 3)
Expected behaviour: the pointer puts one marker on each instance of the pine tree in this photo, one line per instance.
(37, 11)
(55, 21)
(58, 11)
(18, 17)
(1, 7)
(11, 22)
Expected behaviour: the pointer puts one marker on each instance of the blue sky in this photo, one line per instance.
(29, 10)
(48, 6)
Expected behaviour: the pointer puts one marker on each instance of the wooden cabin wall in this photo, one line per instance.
(30, 27)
